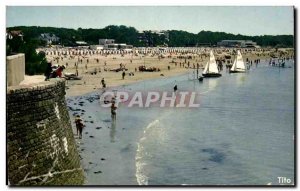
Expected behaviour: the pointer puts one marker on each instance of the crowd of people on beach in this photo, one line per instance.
(180, 57)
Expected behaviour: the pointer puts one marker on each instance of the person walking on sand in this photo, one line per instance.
(77, 123)
(80, 128)
(103, 83)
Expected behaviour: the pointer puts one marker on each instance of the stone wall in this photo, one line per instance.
(15, 69)
(41, 149)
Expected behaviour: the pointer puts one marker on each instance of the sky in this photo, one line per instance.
(255, 20)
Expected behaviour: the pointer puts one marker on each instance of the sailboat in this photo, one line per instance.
(211, 68)
(238, 64)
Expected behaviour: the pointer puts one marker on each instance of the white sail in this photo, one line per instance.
(238, 64)
(206, 68)
(213, 68)
(233, 67)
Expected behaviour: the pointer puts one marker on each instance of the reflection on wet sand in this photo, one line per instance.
(212, 83)
(113, 129)
(240, 79)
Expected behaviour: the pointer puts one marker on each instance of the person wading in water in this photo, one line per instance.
(113, 109)
(175, 88)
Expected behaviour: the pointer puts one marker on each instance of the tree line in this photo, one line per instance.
(129, 35)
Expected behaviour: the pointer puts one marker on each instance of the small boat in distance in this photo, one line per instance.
(238, 64)
(211, 68)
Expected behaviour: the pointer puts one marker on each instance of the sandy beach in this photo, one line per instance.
(87, 64)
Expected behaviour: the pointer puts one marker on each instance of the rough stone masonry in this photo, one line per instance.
(41, 149)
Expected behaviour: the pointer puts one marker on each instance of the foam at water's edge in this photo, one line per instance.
(141, 178)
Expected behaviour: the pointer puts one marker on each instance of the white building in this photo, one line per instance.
(81, 43)
(96, 47)
(106, 41)
(109, 44)
(238, 43)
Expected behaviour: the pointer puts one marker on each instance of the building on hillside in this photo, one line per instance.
(13, 34)
(237, 43)
(49, 38)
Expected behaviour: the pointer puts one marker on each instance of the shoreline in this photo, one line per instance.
(93, 68)
(106, 149)
(117, 150)
(73, 93)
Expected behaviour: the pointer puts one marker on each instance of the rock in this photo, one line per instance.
(97, 172)
(91, 136)
(102, 158)
(98, 127)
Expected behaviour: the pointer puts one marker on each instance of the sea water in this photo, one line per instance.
(242, 133)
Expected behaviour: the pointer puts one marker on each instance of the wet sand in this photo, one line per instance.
(107, 149)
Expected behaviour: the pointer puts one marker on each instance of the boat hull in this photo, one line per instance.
(211, 75)
(236, 71)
